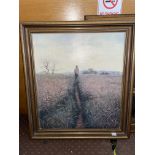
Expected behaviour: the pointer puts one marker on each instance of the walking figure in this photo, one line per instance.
(76, 72)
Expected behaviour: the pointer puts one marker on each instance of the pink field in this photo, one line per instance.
(101, 100)
(101, 85)
(51, 88)
(99, 97)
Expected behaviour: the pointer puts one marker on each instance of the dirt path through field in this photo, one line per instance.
(79, 123)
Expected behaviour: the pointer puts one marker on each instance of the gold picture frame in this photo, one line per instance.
(109, 25)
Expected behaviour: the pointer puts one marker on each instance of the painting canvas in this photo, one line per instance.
(79, 79)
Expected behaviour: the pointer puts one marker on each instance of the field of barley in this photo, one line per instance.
(98, 95)
(56, 103)
(100, 99)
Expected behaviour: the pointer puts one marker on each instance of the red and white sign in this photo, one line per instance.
(108, 7)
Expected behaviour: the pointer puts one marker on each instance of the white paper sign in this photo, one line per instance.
(114, 134)
(108, 7)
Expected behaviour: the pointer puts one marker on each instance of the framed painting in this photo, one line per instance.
(79, 78)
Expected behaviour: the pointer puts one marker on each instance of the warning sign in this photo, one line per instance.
(107, 7)
(110, 4)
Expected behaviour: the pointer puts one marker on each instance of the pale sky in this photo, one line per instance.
(100, 51)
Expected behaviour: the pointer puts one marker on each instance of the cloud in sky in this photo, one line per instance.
(100, 51)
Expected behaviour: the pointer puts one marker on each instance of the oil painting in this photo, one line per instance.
(79, 79)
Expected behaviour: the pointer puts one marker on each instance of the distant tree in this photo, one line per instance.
(49, 68)
(90, 71)
(46, 66)
(53, 68)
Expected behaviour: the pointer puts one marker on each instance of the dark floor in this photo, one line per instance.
(70, 147)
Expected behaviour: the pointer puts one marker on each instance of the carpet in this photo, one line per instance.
(70, 147)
